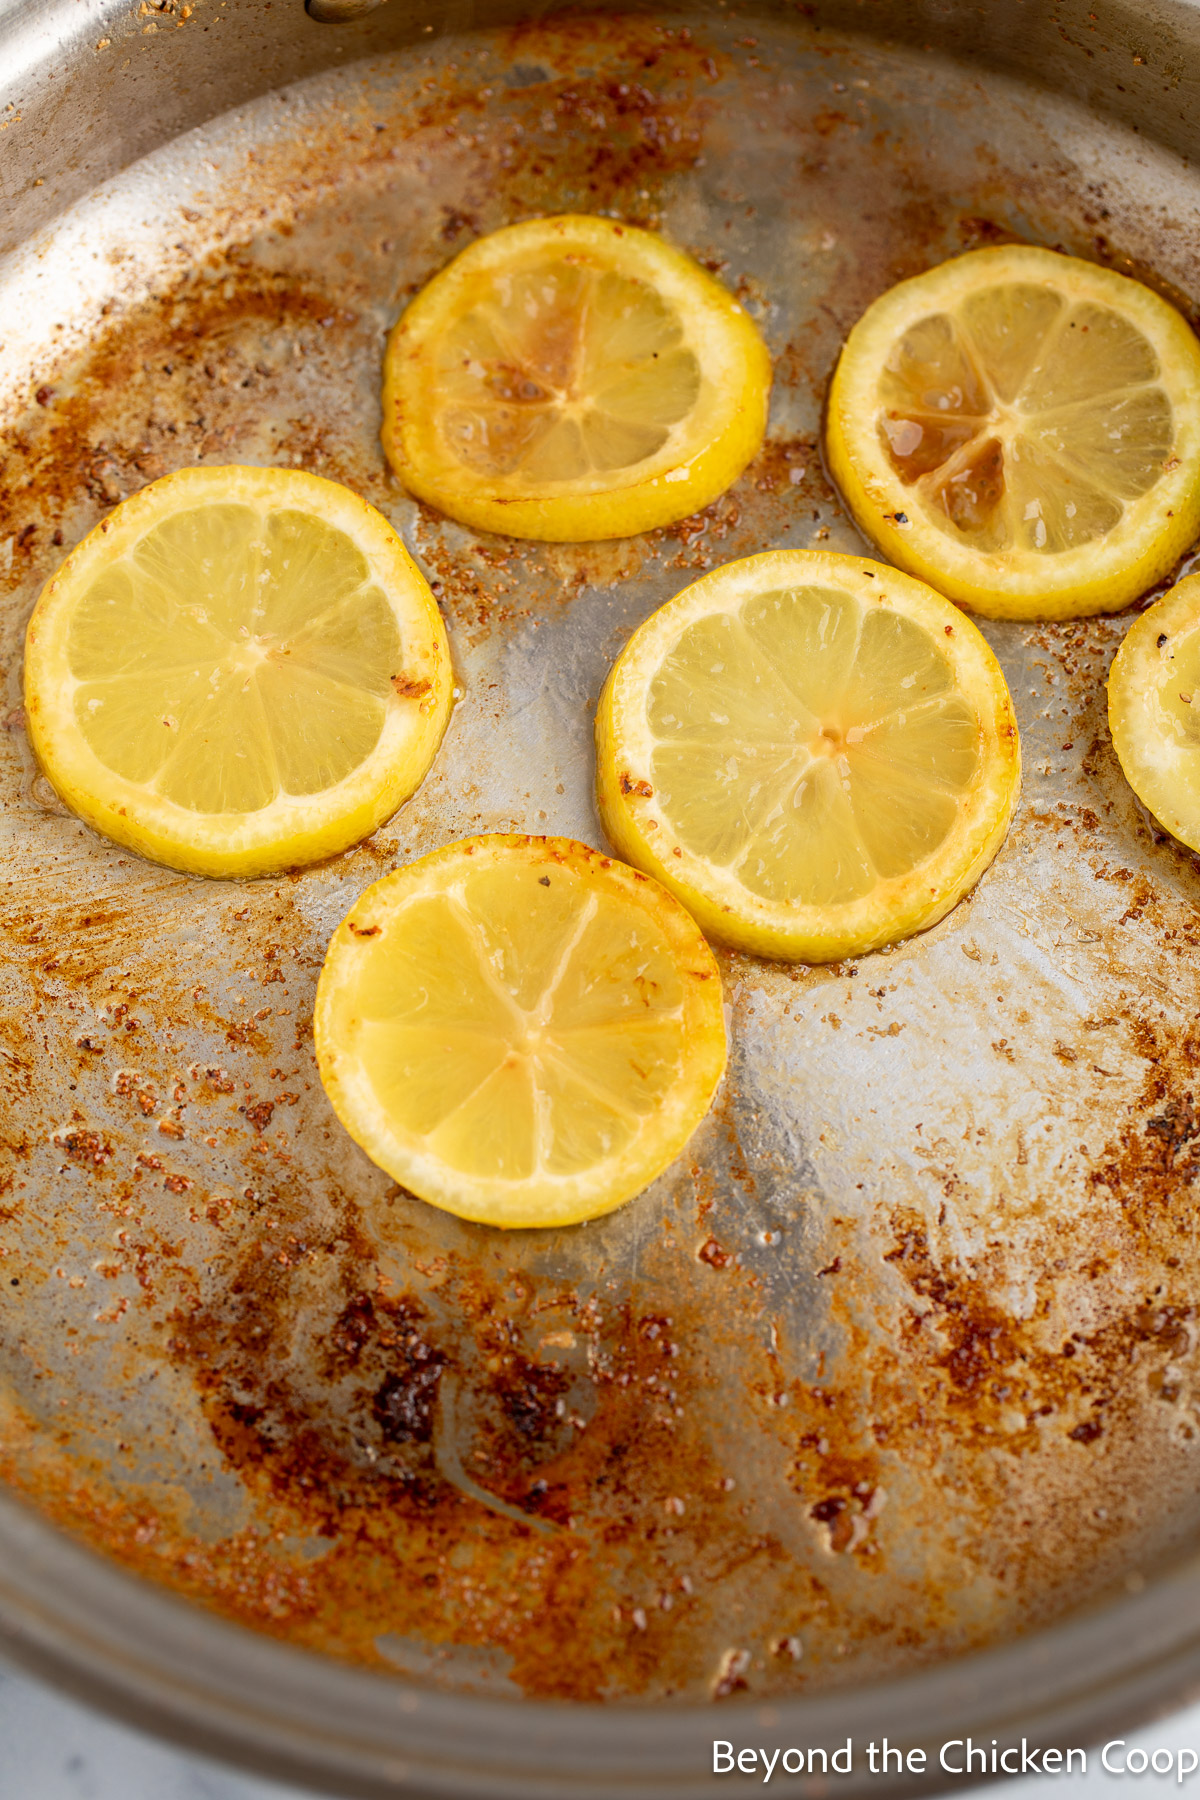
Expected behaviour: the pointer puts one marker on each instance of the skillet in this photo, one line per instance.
(877, 1413)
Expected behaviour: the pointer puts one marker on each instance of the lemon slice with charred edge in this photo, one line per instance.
(237, 671)
(1154, 709)
(1022, 430)
(520, 1030)
(816, 753)
(573, 378)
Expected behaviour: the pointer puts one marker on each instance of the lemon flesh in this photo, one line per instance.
(238, 671)
(1154, 709)
(572, 378)
(520, 1030)
(1022, 430)
(818, 754)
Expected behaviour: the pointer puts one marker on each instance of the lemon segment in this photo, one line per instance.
(239, 670)
(1021, 429)
(1154, 709)
(573, 378)
(520, 1030)
(816, 753)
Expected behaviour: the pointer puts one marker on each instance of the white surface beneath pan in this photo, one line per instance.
(53, 1749)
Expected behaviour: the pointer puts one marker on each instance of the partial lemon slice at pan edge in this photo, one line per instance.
(1022, 430)
(239, 670)
(818, 754)
(1154, 709)
(573, 378)
(520, 1030)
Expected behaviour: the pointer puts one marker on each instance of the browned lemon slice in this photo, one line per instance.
(573, 378)
(816, 753)
(520, 1030)
(239, 670)
(1154, 709)
(1022, 430)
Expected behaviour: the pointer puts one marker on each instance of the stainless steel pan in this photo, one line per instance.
(837, 1429)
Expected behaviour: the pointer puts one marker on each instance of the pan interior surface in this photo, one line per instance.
(900, 1358)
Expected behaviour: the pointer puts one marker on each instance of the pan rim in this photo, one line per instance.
(176, 1669)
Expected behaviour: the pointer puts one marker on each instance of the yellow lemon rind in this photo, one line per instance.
(538, 1201)
(1151, 749)
(727, 912)
(292, 830)
(692, 468)
(1099, 577)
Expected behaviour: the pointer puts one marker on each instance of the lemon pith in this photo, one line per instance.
(1021, 429)
(520, 1030)
(1154, 709)
(573, 378)
(239, 670)
(816, 753)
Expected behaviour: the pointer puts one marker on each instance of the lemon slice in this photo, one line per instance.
(573, 378)
(1154, 709)
(519, 1029)
(237, 671)
(816, 753)
(1022, 429)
